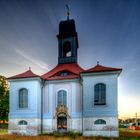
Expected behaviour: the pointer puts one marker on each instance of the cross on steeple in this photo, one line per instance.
(68, 11)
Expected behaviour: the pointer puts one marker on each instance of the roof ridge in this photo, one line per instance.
(101, 68)
(26, 74)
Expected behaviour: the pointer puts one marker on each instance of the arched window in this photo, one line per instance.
(22, 122)
(62, 98)
(23, 98)
(100, 121)
(67, 49)
(100, 94)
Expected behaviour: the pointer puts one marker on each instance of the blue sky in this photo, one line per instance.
(108, 32)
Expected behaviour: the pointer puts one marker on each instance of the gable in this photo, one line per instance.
(64, 71)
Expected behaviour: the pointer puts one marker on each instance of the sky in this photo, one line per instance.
(108, 32)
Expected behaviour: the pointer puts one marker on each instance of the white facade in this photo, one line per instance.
(74, 103)
(107, 112)
(32, 113)
(80, 94)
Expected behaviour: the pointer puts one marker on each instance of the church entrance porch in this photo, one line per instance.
(62, 124)
(61, 115)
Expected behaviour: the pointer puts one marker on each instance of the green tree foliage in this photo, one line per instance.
(4, 98)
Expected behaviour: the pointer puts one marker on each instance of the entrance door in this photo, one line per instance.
(62, 123)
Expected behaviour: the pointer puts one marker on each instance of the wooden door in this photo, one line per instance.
(62, 123)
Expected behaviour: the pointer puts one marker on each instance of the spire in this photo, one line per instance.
(68, 11)
(67, 41)
(97, 62)
(29, 68)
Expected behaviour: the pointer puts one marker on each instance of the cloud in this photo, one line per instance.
(37, 62)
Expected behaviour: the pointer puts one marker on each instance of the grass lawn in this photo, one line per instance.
(125, 134)
(3, 131)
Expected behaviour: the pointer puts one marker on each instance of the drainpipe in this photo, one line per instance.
(82, 103)
(42, 85)
(82, 108)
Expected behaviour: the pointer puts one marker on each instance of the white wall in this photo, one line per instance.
(32, 127)
(110, 129)
(34, 95)
(74, 95)
(111, 107)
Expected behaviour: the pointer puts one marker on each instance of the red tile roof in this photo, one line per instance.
(100, 68)
(27, 74)
(73, 68)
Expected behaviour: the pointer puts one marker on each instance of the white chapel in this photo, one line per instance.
(68, 97)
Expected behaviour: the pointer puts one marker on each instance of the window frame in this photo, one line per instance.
(22, 122)
(64, 93)
(99, 94)
(100, 122)
(23, 98)
(64, 73)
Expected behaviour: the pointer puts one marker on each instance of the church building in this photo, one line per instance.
(68, 97)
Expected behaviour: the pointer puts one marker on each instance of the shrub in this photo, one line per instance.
(64, 134)
(74, 134)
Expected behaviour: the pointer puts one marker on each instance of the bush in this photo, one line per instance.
(74, 134)
(60, 134)
(3, 126)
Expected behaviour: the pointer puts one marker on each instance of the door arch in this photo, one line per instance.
(62, 123)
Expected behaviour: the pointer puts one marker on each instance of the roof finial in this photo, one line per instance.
(29, 68)
(68, 11)
(97, 62)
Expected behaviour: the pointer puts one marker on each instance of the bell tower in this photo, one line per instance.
(67, 42)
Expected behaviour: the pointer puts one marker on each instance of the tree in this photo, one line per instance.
(4, 98)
